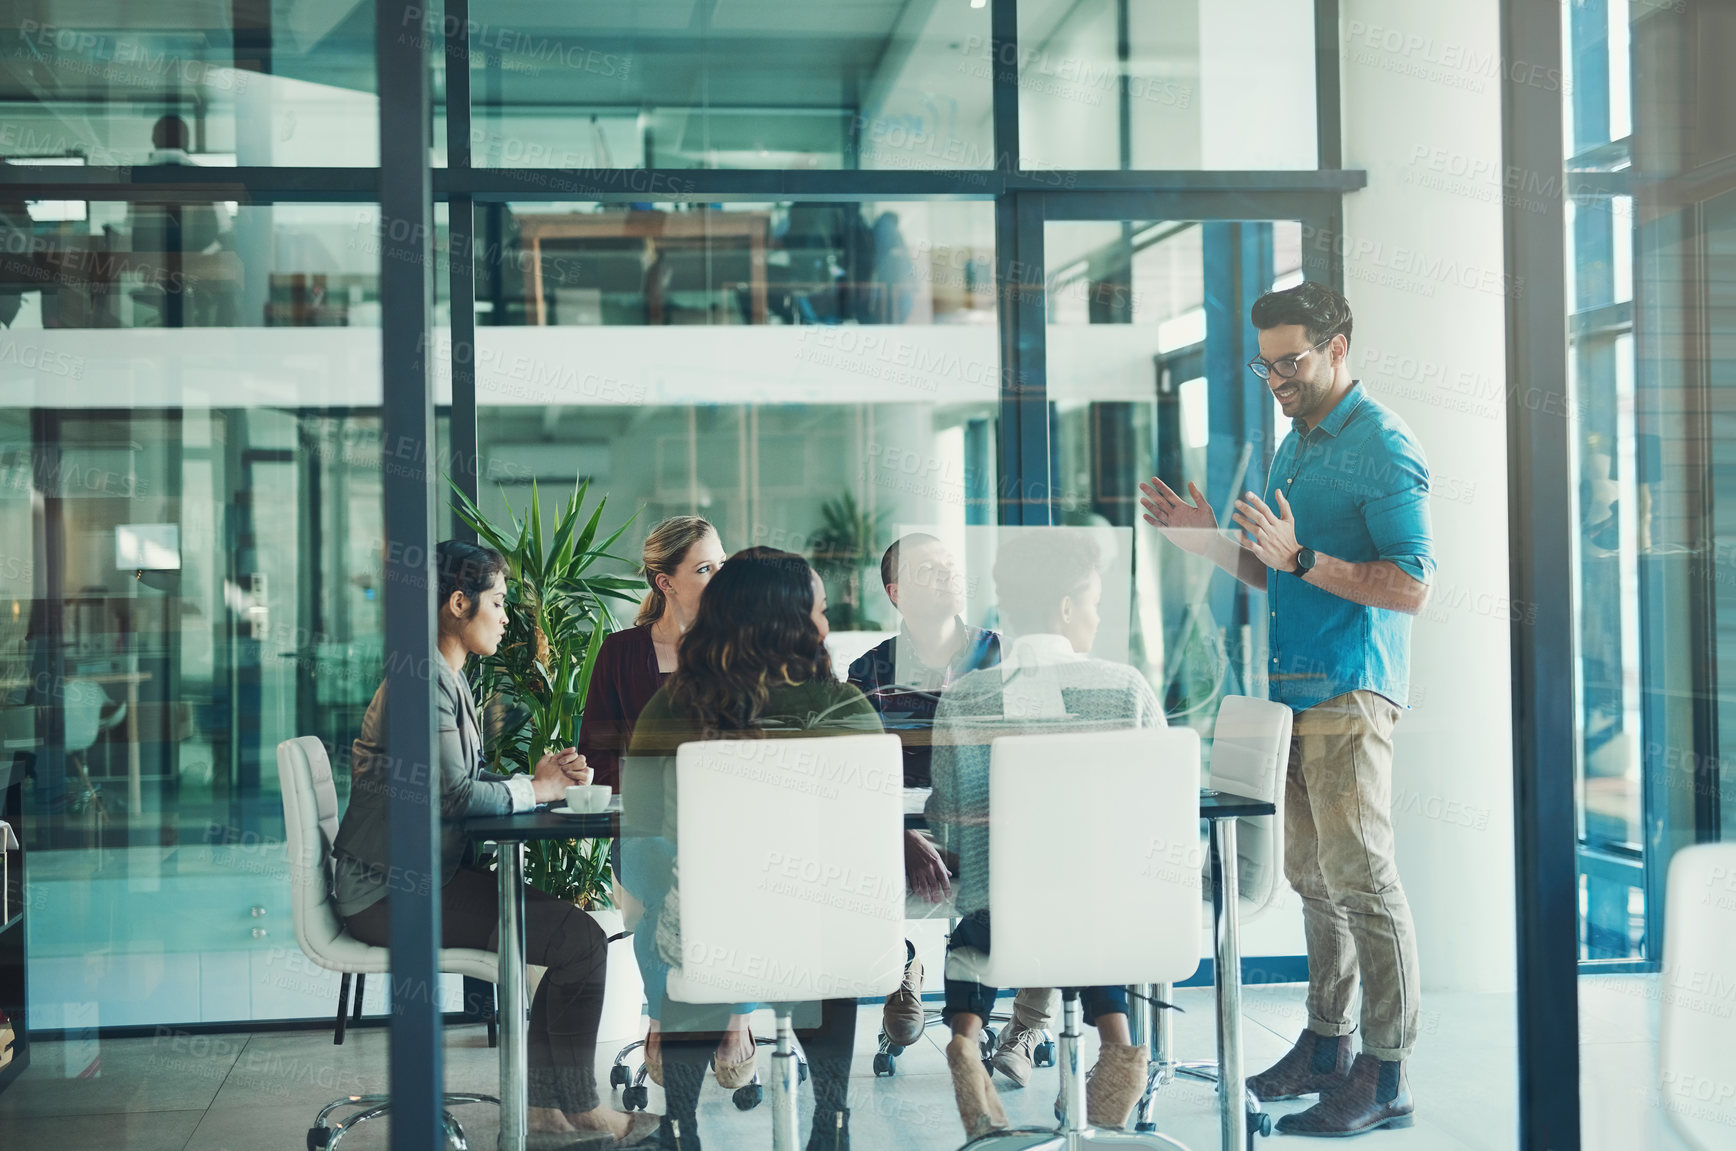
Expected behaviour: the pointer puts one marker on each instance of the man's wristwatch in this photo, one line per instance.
(1304, 562)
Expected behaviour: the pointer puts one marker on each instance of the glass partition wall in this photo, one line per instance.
(1649, 240)
(948, 264)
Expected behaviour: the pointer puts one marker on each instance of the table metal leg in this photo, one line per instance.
(514, 1019)
(1163, 1033)
(1225, 897)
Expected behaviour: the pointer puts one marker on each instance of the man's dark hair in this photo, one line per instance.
(171, 132)
(1321, 311)
(889, 561)
(1036, 570)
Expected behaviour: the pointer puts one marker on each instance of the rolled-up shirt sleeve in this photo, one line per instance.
(1398, 517)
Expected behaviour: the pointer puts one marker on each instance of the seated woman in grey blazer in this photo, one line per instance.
(565, 1109)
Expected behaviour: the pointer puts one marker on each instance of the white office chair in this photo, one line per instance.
(310, 820)
(823, 918)
(1250, 756)
(88, 712)
(1103, 905)
(1696, 1054)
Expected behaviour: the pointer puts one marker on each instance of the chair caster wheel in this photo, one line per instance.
(635, 1098)
(747, 1098)
(618, 1076)
(318, 1137)
(1259, 1123)
(884, 1064)
(1044, 1054)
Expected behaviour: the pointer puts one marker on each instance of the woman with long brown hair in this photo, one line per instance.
(754, 665)
(679, 558)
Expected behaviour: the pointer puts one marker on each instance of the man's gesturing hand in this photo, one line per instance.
(1271, 536)
(1190, 527)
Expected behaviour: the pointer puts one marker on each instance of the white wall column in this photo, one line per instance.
(1424, 274)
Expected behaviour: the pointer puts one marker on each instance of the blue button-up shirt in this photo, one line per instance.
(1359, 488)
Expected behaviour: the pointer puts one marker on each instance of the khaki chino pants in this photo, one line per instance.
(1339, 857)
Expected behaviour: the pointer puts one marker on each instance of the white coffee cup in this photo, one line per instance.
(588, 798)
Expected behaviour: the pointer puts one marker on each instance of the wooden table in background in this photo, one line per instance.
(657, 231)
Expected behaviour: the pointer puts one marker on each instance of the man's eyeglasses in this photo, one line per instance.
(1285, 366)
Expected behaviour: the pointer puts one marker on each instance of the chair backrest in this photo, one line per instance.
(310, 821)
(1094, 857)
(82, 701)
(1250, 755)
(809, 903)
(1696, 1051)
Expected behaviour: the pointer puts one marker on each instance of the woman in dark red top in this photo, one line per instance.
(680, 557)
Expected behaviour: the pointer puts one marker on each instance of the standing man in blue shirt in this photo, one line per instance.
(1340, 544)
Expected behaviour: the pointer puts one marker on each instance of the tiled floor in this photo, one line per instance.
(253, 1092)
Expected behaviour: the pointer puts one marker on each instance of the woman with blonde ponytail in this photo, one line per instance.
(679, 558)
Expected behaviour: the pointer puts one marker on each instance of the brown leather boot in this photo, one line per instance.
(902, 1019)
(1377, 1094)
(1317, 1064)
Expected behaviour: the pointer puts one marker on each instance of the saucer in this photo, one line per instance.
(563, 809)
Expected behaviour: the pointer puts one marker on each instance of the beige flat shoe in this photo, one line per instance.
(731, 1074)
(1116, 1084)
(641, 1127)
(979, 1105)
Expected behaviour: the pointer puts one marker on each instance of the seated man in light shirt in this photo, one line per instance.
(903, 677)
(1049, 585)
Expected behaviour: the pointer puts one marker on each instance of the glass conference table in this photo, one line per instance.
(511, 832)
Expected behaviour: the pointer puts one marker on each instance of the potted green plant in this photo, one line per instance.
(532, 691)
(843, 547)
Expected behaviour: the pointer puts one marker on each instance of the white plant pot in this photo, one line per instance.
(623, 994)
